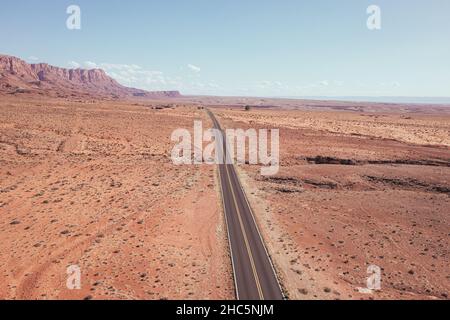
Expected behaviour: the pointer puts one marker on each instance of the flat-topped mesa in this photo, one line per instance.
(17, 74)
(46, 72)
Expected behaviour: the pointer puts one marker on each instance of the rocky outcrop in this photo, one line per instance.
(47, 72)
(16, 67)
(18, 76)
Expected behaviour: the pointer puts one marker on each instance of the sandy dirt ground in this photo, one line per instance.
(91, 183)
(356, 188)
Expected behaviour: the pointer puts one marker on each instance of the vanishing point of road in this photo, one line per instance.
(254, 275)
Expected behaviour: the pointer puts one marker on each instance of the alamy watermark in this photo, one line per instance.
(374, 20)
(227, 149)
(73, 277)
(373, 281)
(73, 22)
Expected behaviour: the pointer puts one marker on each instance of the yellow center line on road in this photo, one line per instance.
(247, 245)
(249, 251)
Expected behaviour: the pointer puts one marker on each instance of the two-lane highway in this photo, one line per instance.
(254, 275)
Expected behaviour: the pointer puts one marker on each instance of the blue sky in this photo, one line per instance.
(243, 47)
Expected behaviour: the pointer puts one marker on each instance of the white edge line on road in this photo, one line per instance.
(260, 236)
(228, 233)
(257, 229)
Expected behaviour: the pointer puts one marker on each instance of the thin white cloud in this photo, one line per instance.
(134, 74)
(33, 58)
(213, 85)
(74, 64)
(393, 84)
(90, 65)
(137, 76)
(318, 87)
(275, 86)
(194, 68)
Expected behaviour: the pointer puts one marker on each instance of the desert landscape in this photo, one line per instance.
(86, 178)
(92, 183)
(359, 187)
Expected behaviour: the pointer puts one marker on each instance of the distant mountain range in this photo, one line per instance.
(380, 99)
(19, 77)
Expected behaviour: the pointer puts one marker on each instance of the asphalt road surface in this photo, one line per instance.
(254, 275)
